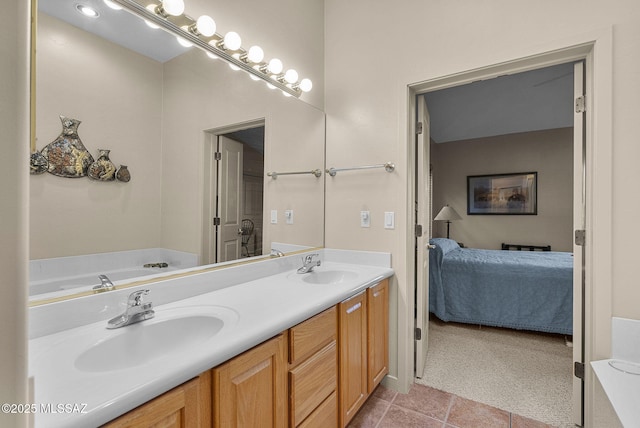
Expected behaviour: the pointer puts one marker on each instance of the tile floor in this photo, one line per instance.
(431, 408)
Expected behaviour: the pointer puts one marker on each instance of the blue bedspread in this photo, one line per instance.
(524, 290)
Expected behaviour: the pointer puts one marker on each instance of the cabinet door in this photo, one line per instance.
(185, 406)
(250, 390)
(378, 335)
(353, 356)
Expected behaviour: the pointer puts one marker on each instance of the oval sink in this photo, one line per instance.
(145, 341)
(328, 276)
(625, 367)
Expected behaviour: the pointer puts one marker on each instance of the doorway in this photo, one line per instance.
(577, 217)
(234, 195)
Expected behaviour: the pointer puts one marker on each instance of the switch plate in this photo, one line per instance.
(365, 219)
(389, 220)
(288, 216)
(274, 216)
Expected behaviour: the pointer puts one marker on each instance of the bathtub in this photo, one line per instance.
(56, 276)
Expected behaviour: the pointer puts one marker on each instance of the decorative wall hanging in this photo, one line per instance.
(102, 169)
(123, 174)
(38, 163)
(503, 194)
(66, 155)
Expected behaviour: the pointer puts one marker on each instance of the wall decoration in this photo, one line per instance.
(66, 155)
(38, 163)
(511, 194)
(102, 169)
(123, 174)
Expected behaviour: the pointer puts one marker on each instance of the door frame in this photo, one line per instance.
(210, 183)
(596, 50)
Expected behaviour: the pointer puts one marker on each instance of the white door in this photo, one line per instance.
(229, 199)
(579, 212)
(423, 219)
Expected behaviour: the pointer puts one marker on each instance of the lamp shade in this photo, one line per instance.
(447, 213)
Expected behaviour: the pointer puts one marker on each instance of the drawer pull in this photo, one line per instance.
(376, 294)
(354, 307)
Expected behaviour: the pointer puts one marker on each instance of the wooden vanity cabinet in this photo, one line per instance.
(250, 389)
(353, 356)
(313, 371)
(377, 334)
(364, 347)
(185, 406)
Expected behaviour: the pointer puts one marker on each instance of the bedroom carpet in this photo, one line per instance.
(525, 373)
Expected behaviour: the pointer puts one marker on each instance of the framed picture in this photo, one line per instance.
(503, 194)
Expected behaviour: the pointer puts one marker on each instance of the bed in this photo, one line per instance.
(523, 290)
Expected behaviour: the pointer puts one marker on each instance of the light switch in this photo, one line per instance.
(288, 216)
(365, 219)
(389, 220)
(274, 216)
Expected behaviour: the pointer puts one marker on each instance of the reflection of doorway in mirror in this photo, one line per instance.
(239, 194)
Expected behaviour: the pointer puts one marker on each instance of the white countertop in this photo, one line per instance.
(256, 310)
(622, 389)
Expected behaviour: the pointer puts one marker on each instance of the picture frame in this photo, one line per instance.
(503, 194)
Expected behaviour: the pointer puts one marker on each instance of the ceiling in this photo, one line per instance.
(117, 26)
(529, 101)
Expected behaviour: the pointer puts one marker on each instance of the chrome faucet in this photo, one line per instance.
(276, 253)
(136, 311)
(308, 263)
(105, 284)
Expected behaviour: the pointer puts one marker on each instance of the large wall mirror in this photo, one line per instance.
(162, 110)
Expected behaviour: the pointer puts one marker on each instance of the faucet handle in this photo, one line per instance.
(135, 298)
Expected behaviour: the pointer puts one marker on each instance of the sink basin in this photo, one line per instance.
(140, 343)
(327, 277)
(625, 367)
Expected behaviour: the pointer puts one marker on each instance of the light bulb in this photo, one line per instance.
(275, 66)
(232, 41)
(206, 26)
(151, 24)
(183, 42)
(291, 76)
(112, 5)
(234, 67)
(173, 7)
(270, 86)
(286, 94)
(256, 78)
(256, 54)
(87, 11)
(305, 85)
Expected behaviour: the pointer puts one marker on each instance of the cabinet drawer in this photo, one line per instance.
(325, 415)
(311, 335)
(312, 382)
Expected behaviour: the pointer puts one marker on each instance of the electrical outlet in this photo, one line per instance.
(288, 216)
(274, 216)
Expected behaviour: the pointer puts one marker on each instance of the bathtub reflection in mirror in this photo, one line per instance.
(165, 117)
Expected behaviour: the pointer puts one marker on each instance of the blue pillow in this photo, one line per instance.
(444, 245)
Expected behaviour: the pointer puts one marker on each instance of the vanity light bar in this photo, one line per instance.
(232, 57)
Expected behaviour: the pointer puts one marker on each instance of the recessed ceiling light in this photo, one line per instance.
(87, 11)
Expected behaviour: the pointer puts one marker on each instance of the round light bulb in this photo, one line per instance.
(286, 94)
(209, 54)
(291, 76)
(270, 86)
(256, 78)
(151, 24)
(234, 67)
(112, 5)
(87, 11)
(256, 54)
(275, 66)
(232, 41)
(206, 26)
(305, 85)
(183, 42)
(173, 7)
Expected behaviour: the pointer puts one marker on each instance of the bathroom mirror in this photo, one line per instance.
(161, 113)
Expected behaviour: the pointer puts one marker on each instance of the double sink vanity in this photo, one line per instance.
(227, 347)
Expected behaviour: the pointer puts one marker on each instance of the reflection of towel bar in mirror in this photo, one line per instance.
(389, 167)
(275, 174)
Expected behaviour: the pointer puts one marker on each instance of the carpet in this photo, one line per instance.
(526, 373)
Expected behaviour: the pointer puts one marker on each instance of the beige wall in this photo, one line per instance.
(202, 95)
(14, 122)
(413, 41)
(549, 153)
(117, 94)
